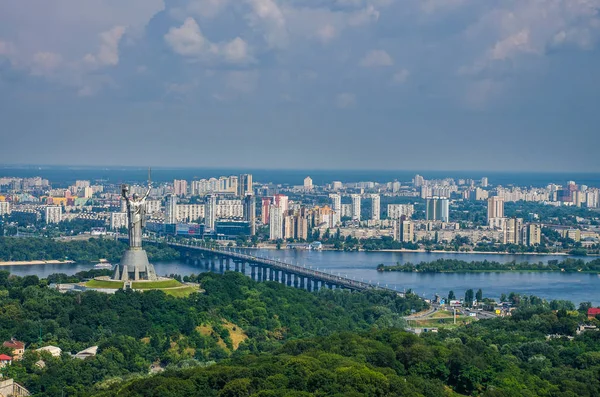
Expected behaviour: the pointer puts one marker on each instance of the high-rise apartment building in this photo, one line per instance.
(180, 187)
(495, 209)
(438, 209)
(281, 201)
(190, 212)
(484, 182)
(337, 185)
(264, 213)
(4, 208)
(356, 207)
(396, 211)
(53, 214)
(210, 213)
(171, 210)
(418, 181)
(336, 204)
(245, 185)
(375, 207)
(513, 231)
(275, 222)
(118, 220)
(250, 212)
(532, 234)
(152, 206)
(308, 183)
(406, 231)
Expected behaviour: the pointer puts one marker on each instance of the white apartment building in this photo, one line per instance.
(397, 211)
(53, 214)
(375, 207)
(347, 210)
(190, 212)
(210, 212)
(171, 210)
(275, 222)
(356, 207)
(153, 206)
(4, 208)
(230, 209)
(118, 220)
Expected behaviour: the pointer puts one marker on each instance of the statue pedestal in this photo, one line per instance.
(134, 266)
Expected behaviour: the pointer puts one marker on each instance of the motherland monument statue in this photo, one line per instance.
(134, 264)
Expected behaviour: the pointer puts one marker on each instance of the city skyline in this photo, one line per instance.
(380, 84)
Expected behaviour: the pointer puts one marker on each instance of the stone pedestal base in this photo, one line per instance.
(134, 266)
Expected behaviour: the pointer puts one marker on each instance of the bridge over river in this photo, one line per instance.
(212, 257)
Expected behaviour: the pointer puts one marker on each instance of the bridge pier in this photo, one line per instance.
(289, 279)
(252, 272)
(227, 263)
(221, 267)
(237, 265)
(243, 267)
(302, 286)
(265, 274)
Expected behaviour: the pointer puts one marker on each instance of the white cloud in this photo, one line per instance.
(268, 17)
(236, 51)
(512, 45)
(45, 63)
(401, 76)
(364, 16)
(345, 100)
(108, 54)
(187, 40)
(376, 58)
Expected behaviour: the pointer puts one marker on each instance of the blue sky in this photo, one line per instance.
(380, 84)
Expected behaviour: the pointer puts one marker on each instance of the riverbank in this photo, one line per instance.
(31, 263)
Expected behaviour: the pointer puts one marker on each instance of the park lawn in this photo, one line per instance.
(156, 284)
(104, 284)
(180, 292)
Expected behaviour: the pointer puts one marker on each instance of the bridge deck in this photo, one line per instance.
(280, 265)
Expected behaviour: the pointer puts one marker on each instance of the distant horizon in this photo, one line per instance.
(285, 169)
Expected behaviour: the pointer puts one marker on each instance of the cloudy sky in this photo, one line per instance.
(362, 84)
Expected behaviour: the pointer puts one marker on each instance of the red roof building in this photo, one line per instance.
(5, 360)
(593, 312)
(18, 348)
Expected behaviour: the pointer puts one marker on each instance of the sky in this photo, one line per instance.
(361, 84)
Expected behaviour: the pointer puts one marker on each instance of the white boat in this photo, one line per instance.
(103, 265)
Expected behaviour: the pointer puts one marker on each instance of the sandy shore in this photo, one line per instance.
(29, 263)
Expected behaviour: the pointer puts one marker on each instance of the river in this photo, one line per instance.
(576, 287)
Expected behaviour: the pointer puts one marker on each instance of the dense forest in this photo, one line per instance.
(243, 338)
(235, 316)
(455, 265)
(26, 249)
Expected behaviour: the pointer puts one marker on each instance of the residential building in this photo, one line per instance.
(210, 213)
(532, 234)
(375, 207)
(152, 207)
(275, 222)
(281, 201)
(264, 213)
(347, 210)
(289, 226)
(336, 185)
(513, 231)
(180, 187)
(396, 211)
(406, 231)
(438, 209)
(245, 185)
(418, 181)
(53, 214)
(171, 210)
(4, 208)
(230, 209)
(484, 182)
(301, 226)
(190, 212)
(250, 212)
(118, 220)
(336, 204)
(308, 183)
(17, 348)
(495, 209)
(356, 207)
